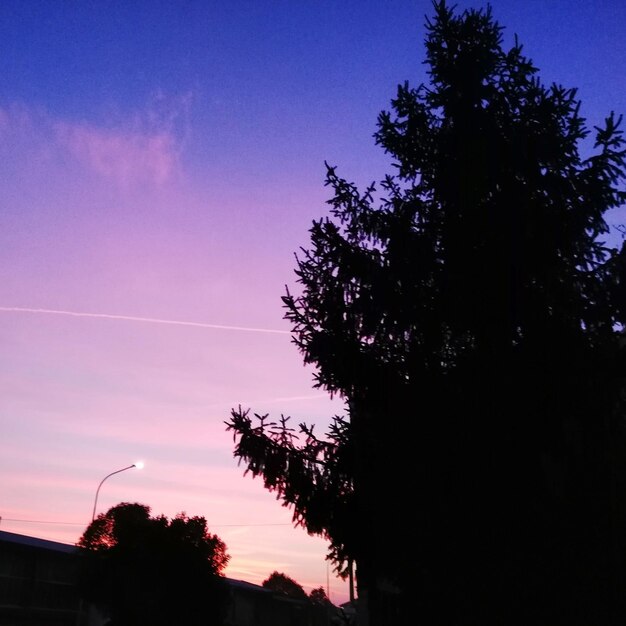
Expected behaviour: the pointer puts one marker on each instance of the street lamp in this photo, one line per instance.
(138, 465)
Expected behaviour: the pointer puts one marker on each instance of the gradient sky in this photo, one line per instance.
(164, 161)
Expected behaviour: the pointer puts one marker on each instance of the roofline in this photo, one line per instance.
(35, 542)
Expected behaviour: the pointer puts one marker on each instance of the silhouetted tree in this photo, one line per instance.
(151, 570)
(318, 596)
(284, 585)
(469, 314)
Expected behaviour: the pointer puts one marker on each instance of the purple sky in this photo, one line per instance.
(163, 161)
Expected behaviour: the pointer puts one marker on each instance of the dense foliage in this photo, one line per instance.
(469, 313)
(140, 569)
(318, 596)
(284, 585)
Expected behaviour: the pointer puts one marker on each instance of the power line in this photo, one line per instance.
(240, 525)
(39, 521)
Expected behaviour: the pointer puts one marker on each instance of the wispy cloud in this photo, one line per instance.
(124, 157)
(149, 320)
(137, 147)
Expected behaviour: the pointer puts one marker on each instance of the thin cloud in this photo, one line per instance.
(122, 156)
(139, 148)
(149, 320)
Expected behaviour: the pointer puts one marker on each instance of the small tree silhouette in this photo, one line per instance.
(284, 585)
(151, 570)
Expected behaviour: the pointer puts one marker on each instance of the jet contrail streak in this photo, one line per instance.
(150, 320)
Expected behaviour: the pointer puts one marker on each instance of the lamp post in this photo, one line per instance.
(138, 465)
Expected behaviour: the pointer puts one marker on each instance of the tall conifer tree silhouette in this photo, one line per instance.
(469, 314)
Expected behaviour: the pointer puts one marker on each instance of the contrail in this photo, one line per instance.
(264, 401)
(149, 320)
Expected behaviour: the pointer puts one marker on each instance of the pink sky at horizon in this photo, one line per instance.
(159, 168)
(62, 464)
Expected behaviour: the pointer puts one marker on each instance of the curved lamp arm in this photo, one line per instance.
(95, 503)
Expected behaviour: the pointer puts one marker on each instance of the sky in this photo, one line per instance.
(160, 165)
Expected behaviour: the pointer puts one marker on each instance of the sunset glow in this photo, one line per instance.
(159, 168)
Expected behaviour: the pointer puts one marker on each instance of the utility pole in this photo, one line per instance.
(351, 579)
(327, 580)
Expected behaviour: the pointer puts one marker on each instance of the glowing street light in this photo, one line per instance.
(138, 465)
